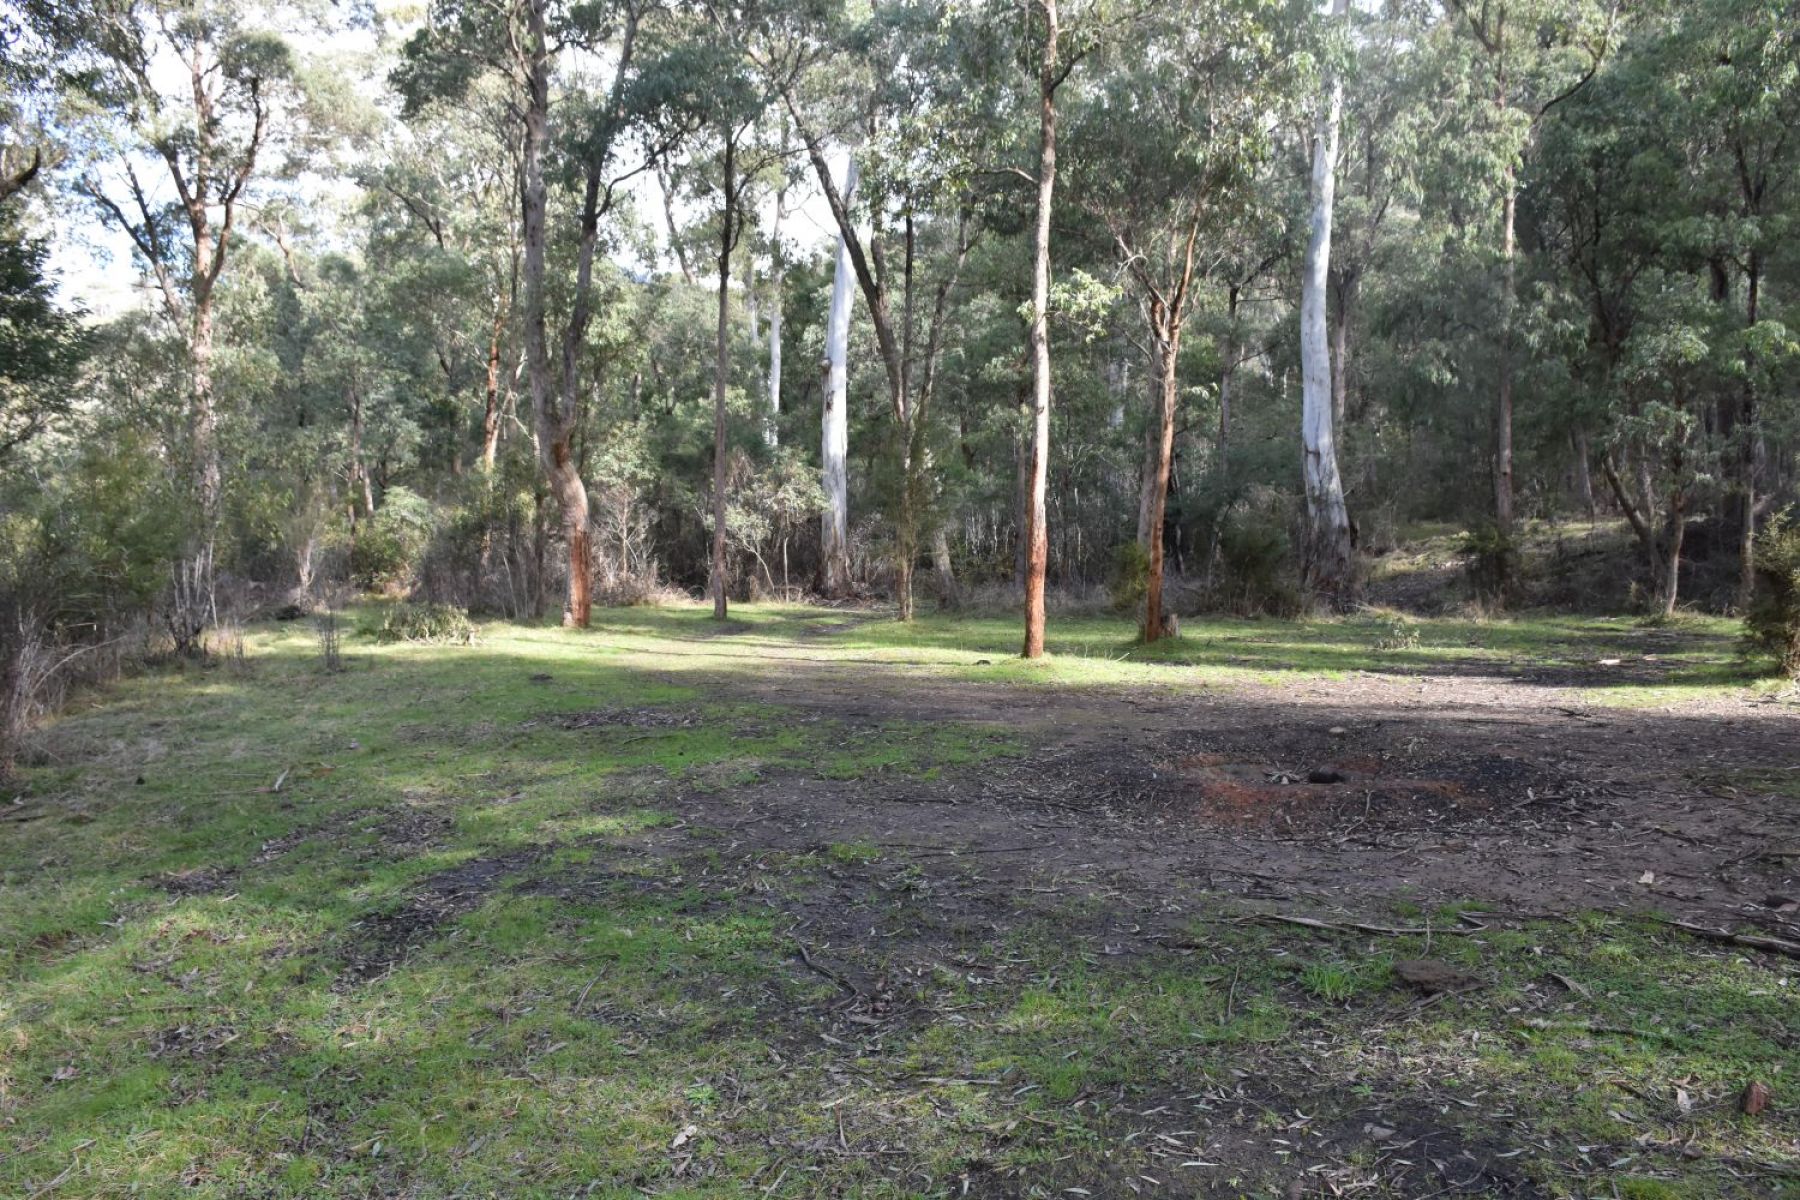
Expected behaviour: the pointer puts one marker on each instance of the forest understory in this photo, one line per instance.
(814, 904)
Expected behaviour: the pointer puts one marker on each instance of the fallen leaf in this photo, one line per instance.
(1648, 877)
(1756, 1098)
(688, 1134)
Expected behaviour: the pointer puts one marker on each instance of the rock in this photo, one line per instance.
(1756, 1098)
(1326, 775)
(1431, 975)
(1337, 731)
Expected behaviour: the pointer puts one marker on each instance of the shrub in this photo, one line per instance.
(1772, 625)
(436, 624)
(1131, 577)
(1397, 631)
(390, 544)
(1257, 559)
(1493, 566)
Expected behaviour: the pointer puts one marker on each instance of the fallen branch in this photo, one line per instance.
(826, 971)
(1359, 927)
(951, 852)
(1750, 941)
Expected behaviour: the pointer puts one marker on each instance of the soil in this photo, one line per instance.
(1505, 790)
(1130, 812)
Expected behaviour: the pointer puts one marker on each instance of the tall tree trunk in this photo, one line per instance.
(555, 427)
(208, 477)
(1037, 545)
(1147, 473)
(359, 470)
(1674, 532)
(1168, 349)
(772, 424)
(1345, 290)
(906, 541)
(1584, 471)
(490, 411)
(1750, 452)
(946, 571)
(1328, 564)
(777, 276)
(1503, 399)
(834, 452)
(721, 368)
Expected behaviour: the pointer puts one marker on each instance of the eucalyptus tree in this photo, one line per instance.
(1165, 151)
(544, 54)
(1328, 567)
(439, 199)
(205, 94)
(900, 65)
(1048, 40)
(1042, 40)
(1726, 78)
(834, 418)
(730, 71)
(1527, 57)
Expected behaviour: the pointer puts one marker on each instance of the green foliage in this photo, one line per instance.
(1772, 626)
(433, 624)
(41, 345)
(1257, 565)
(1397, 631)
(1131, 577)
(1492, 564)
(98, 542)
(390, 545)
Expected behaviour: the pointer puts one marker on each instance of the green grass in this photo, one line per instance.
(1693, 658)
(210, 988)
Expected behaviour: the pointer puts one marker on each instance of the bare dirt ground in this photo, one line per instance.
(1129, 813)
(1451, 788)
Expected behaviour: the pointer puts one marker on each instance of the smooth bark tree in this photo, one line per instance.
(834, 428)
(1329, 569)
(909, 335)
(777, 281)
(1052, 72)
(729, 191)
(740, 162)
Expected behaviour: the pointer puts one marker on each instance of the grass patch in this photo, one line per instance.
(433, 925)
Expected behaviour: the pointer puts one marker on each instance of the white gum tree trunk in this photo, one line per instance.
(1328, 565)
(834, 449)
